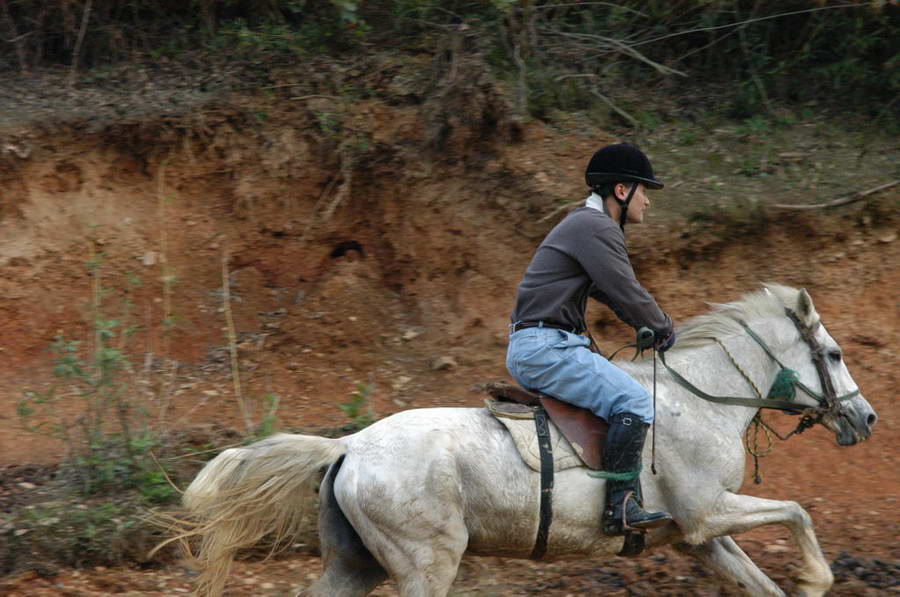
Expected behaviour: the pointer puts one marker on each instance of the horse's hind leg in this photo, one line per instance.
(421, 549)
(423, 569)
(419, 537)
(429, 573)
(350, 570)
(722, 556)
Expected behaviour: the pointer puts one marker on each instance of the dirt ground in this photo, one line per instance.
(392, 267)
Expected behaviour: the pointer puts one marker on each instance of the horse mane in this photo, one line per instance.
(724, 319)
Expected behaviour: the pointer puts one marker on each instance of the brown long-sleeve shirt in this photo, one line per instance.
(585, 255)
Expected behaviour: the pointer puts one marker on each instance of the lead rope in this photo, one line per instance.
(645, 335)
(751, 440)
(752, 443)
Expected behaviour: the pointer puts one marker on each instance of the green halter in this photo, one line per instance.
(784, 385)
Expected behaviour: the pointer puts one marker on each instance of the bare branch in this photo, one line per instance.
(76, 53)
(634, 123)
(623, 47)
(561, 208)
(842, 201)
(16, 38)
(754, 20)
(583, 4)
(19, 38)
(343, 191)
(575, 76)
(710, 44)
(306, 97)
(232, 342)
(521, 84)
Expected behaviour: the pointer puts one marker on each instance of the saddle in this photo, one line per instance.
(585, 431)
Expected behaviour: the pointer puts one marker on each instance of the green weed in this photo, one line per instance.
(358, 409)
(756, 126)
(76, 533)
(268, 425)
(110, 439)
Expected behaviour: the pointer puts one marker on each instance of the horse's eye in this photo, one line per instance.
(835, 355)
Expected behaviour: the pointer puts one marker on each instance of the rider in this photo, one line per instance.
(585, 255)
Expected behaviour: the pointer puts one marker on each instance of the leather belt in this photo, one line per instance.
(522, 325)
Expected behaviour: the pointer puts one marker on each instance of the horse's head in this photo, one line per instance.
(825, 381)
(810, 376)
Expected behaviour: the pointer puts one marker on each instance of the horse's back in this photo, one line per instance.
(433, 446)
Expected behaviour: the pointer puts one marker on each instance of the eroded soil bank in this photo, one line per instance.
(385, 251)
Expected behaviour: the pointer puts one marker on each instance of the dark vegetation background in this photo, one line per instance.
(743, 55)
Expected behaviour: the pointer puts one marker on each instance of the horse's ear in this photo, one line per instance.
(804, 304)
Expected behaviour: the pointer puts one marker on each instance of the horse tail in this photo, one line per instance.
(265, 490)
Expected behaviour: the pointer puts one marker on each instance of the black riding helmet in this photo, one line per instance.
(621, 162)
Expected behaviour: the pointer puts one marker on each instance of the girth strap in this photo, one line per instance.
(634, 542)
(542, 427)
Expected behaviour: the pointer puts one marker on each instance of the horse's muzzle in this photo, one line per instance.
(854, 425)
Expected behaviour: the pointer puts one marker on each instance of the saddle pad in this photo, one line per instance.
(519, 421)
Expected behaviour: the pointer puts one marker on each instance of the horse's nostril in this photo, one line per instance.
(870, 421)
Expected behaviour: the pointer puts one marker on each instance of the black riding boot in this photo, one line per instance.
(622, 454)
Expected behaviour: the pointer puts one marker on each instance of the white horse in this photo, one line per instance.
(407, 497)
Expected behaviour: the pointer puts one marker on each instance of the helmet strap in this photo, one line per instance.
(623, 216)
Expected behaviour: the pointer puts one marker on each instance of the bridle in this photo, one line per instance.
(829, 401)
(784, 388)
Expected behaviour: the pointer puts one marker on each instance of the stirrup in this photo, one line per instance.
(616, 526)
(627, 528)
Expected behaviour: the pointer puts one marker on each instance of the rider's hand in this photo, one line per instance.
(666, 343)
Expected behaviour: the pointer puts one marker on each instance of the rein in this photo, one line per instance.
(646, 339)
(783, 390)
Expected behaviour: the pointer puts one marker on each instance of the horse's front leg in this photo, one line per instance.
(732, 514)
(722, 556)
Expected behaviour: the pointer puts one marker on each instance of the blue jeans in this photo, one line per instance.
(560, 364)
